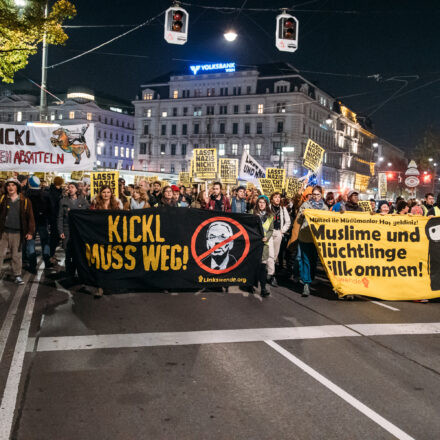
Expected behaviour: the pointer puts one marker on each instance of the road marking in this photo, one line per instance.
(128, 340)
(385, 305)
(373, 415)
(93, 342)
(10, 316)
(9, 400)
(424, 328)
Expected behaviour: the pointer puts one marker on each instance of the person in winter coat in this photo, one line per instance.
(16, 224)
(55, 195)
(307, 254)
(262, 210)
(167, 198)
(352, 203)
(201, 200)
(139, 199)
(239, 203)
(218, 201)
(73, 200)
(281, 224)
(41, 209)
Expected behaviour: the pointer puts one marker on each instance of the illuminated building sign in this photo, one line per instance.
(227, 67)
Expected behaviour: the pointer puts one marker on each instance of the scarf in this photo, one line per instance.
(317, 205)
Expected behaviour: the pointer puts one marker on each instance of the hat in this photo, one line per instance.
(351, 192)
(58, 181)
(34, 182)
(307, 192)
(15, 182)
(175, 188)
(265, 198)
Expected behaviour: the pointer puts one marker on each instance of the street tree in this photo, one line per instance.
(23, 25)
(428, 147)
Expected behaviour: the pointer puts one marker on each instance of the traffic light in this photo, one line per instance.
(427, 178)
(286, 35)
(176, 25)
(390, 176)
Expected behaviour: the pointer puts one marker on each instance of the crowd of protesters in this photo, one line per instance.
(29, 207)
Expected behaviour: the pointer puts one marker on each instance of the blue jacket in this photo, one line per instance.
(238, 205)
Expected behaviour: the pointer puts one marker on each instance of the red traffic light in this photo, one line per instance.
(390, 176)
(178, 15)
(290, 30)
(427, 178)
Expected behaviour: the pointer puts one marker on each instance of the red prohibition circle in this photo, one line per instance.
(242, 233)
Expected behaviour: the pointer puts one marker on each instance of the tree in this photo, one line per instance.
(22, 29)
(428, 147)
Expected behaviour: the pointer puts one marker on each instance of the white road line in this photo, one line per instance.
(423, 328)
(93, 342)
(373, 415)
(10, 393)
(385, 305)
(10, 316)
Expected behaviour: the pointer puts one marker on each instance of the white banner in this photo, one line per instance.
(54, 148)
(250, 169)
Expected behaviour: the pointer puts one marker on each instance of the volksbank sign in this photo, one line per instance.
(227, 67)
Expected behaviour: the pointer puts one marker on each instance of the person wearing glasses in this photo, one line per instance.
(307, 255)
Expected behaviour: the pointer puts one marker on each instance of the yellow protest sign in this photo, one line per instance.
(77, 175)
(313, 156)
(184, 178)
(228, 170)
(205, 163)
(293, 186)
(266, 186)
(365, 205)
(250, 185)
(382, 256)
(361, 182)
(277, 175)
(99, 179)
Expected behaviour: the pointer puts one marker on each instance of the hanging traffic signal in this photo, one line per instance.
(390, 176)
(176, 25)
(286, 35)
(427, 178)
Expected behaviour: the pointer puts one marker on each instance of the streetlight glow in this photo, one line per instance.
(375, 144)
(230, 35)
(389, 164)
(430, 159)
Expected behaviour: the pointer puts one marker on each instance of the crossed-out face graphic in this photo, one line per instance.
(217, 233)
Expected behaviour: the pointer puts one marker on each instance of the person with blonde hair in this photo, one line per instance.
(139, 199)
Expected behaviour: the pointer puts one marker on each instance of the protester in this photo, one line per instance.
(428, 203)
(55, 195)
(352, 203)
(339, 206)
(238, 203)
(435, 210)
(156, 194)
(417, 210)
(307, 255)
(201, 201)
(139, 199)
(217, 200)
(373, 205)
(402, 207)
(184, 198)
(383, 208)
(263, 211)
(106, 200)
(42, 211)
(73, 200)
(330, 199)
(167, 198)
(16, 225)
(281, 224)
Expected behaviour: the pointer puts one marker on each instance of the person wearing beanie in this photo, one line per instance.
(16, 225)
(41, 209)
(55, 194)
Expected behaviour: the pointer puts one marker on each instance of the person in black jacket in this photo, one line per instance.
(55, 195)
(41, 209)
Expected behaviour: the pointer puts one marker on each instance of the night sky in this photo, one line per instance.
(341, 43)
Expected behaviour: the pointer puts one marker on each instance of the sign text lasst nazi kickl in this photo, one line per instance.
(149, 249)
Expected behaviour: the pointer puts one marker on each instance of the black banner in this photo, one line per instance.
(165, 248)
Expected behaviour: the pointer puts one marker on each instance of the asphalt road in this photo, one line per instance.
(210, 365)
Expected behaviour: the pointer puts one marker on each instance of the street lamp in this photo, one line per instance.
(389, 164)
(430, 159)
(329, 120)
(375, 144)
(380, 159)
(230, 35)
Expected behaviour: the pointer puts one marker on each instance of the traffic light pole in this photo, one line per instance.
(43, 95)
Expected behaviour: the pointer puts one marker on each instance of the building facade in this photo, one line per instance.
(269, 110)
(114, 123)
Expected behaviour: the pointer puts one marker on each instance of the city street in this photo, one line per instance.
(212, 365)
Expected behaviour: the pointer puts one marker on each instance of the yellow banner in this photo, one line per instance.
(184, 178)
(382, 256)
(361, 182)
(98, 180)
(313, 156)
(228, 170)
(77, 175)
(293, 186)
(365, 205)
(205, 163)
(277, 175)
(266, 186)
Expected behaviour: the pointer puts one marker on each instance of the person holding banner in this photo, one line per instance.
(281, 225)
(262, 209)
(201, 201)
(167, 198)
(139, 199)
(352, 203)
(156, 194)
(218, 201)
(435, 210)
(106, 200)
(307, 255)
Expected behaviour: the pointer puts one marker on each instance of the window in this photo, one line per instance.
(259, 128)
(148, 113)
(223, 109)
(111, 121)
(146, 129)
(185, 111)
(116, 150)
(71, 115)
(235, 128)
(276, 148)
(247, 128)
(99, 149)
(281, 107)
(162, 169)
(127, 153)
(185, 94)
(246, 147)
(172, 169)
(132, 153)
(105, 135)
(103, 164)
(183, 149)
(210, 110)
(282, 89)
(173, 149)
(164, 114)
(221, 149)
(248, 109)
(210, 92)
(222, 128)
(258, 150)
(89, 116)
(175, 94)
(117, 137)
(111, 135)
(197, 92)
(60, 116)
(122, 151)
(142, 148)
(183, 167)
(197, 111)
(184, 129)
(280, 126)
(105, 121)
(248, 90)
(163, 129)
(224, 91)
(235, 109)
(174, 130)
(234, 149)
(162, 149)
(98, 162)
(196, 128)
(260, 109)
(19, 116)
(236, 91)
(174, 111)
(148, 96)
(99, 133)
